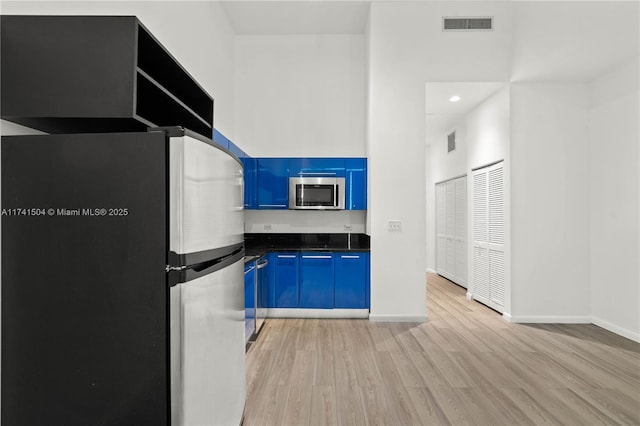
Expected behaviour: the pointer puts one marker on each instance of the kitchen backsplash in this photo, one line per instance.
(295, 221)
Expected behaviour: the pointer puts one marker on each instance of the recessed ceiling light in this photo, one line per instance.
(454, 98)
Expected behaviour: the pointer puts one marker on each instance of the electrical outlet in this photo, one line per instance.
(395, 226)
(348, 227)
(267, 227)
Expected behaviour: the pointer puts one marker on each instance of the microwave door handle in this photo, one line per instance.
(335, 195)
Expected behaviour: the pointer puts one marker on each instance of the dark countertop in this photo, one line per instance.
(259, 244)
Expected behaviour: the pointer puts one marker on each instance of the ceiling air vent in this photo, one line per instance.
(451, 142)
(467, 24)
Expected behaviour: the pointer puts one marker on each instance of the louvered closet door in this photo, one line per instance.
(480, 238)
(489, 236)
(441, 240)
(451, 230)
(496, 235)
(461, 231)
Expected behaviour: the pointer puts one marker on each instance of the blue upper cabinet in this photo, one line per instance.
(351, 280)
(310, 167)
(236, 150)
(267, 179)
(273, 183)
(250, 182)
(220, 139)
(356, 182)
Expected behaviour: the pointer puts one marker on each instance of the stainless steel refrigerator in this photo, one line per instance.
(122, 280)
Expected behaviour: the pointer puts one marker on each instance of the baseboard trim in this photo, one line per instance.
(616, 329)
(507, 317)
(397, 318)
(316, 313)
(431, 270)
(469, 296)
(550, 319)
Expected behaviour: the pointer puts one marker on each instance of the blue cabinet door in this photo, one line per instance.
(310, 167)
(285, 280)
(250, 183)
(356, 182)
(352, 280)
(316, 280)
(273, 183)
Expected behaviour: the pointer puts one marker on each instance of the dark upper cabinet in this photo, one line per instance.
(69, 74)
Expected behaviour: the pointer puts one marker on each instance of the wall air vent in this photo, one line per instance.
(477, 23)
(451, 142)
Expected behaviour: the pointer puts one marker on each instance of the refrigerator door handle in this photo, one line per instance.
(186, 274)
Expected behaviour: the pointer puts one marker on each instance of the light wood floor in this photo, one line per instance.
(466, 365)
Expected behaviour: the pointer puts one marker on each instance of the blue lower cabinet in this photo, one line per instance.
(352, 280)
(285, 267)
(316, 280)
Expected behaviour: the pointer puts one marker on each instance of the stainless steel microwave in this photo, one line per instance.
(316, 193)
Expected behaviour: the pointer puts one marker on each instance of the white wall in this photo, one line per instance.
(407, 48)
(549, 203)
(197, 34)
(300, 95)
(614, 191)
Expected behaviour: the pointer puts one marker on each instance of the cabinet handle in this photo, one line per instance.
(249, 270)
(286, 256)
(262, 264)
(316, 257)
(272, 205)
(350, 257)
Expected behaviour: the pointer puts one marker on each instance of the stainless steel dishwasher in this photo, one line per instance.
(261, 292)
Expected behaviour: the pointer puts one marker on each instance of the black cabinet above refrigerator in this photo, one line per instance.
(70, 74)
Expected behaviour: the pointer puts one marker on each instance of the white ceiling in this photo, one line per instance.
(442, 115)
(297, 17)
(437, 96)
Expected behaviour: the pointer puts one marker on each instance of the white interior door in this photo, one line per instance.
(451, 224)
(441, 238)
(489, 284)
